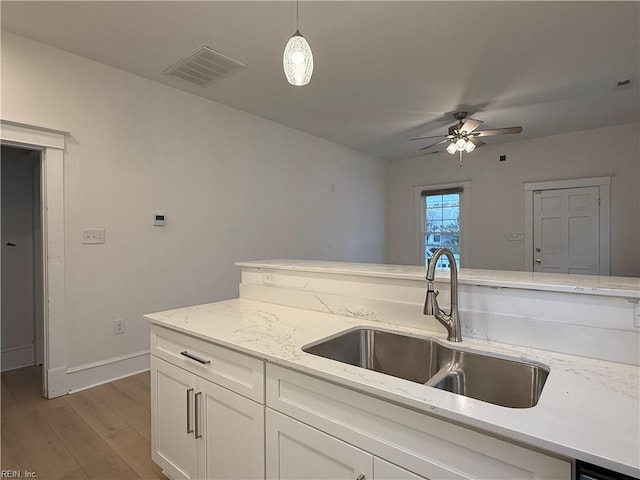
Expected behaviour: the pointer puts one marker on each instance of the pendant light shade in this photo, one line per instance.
(297, 60)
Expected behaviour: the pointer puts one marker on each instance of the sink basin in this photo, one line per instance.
(402, 356)
(502, 381)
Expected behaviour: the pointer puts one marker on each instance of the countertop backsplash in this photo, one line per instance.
(596, 317)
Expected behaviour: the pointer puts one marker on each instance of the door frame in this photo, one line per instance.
(51, 144)
(604, 184)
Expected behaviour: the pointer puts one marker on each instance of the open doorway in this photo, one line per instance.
(22, 324)
(50, 143)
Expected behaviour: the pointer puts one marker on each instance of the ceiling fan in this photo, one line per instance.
(463, 136)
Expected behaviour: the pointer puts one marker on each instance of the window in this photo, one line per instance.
(441, 221)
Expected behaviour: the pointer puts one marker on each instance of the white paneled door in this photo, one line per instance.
(566, 231)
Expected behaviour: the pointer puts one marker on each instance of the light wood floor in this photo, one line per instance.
(101, 433)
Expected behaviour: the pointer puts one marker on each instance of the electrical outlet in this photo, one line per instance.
(93, 236)
(269, 278)
(118, 326)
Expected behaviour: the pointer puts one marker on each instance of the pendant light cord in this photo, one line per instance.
(297, 9)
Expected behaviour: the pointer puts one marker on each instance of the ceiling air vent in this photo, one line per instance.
(204, 66)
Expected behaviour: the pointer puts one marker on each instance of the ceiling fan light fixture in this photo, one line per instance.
(463, 137)
(469, 147)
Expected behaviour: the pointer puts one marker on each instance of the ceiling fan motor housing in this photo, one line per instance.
(460, 116)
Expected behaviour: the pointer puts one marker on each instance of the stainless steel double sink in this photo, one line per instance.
(506, 382)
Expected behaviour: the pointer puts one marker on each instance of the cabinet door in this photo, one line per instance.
(230, 428)
(383, 470)
(297, 451)
(173, 444)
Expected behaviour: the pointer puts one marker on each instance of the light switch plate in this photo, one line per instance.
(96, 235)
(515, 237)
(118, 326)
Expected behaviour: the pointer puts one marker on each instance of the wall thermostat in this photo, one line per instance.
(159, 219)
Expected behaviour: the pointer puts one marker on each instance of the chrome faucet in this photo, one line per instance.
(451, 321)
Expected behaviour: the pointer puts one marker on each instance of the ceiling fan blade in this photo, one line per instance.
(434, 144)
(432, 136)
(476, 141)
(497, 131)
(470, 125)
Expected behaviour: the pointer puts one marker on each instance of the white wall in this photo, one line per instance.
(497, 192)
(17, 261)
(233, 186)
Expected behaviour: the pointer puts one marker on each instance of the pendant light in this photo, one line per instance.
(297, 59)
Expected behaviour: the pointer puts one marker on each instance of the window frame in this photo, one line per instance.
(419, 222)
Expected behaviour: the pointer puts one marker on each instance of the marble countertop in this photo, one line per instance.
(589, 409)
(628, 287)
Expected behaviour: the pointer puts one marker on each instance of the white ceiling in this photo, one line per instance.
(384, 71)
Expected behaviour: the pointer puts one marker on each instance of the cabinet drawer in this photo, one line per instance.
(423, 444)
(235, 371)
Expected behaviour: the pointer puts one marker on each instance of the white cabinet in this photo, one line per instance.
(232, 445)
(383, 470)
(420, 445)
(215, 413)
(174, 444)
(199, 429)
(297, 451)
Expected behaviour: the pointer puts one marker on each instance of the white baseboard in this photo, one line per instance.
(17, 357)
(96, 373)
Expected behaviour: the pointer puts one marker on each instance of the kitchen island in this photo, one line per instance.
(589, 408)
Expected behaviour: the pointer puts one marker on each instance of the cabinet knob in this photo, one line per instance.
(538, 261)
(361, 477)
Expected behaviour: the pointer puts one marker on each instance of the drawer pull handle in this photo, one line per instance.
(193, 357)
(189, 426)
(198, 432)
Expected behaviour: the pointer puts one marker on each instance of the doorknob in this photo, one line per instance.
(538, 261)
